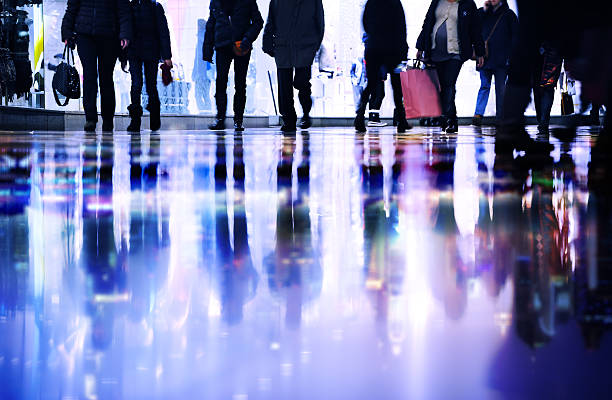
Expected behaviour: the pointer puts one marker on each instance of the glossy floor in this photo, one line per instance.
(322, 265)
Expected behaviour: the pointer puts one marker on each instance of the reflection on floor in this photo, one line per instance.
(322, 265)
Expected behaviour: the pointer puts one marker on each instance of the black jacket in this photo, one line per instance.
(223, 28)
(384, 23)
(469, 30)
(504, 37)
(294, 32)
(103, 18)
(151, 34)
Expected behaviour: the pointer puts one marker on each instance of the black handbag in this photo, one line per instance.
(66, 80)
(567, 101)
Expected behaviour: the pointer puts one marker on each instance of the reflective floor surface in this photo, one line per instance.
(323, 265)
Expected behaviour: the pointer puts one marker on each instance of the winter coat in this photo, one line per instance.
(101, 18)
(469, 30)
(384, 24)
(151, 39)
(294, 32)
(504, 37)
(224, 28)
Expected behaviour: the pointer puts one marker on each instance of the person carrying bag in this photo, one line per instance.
(66, 81)
(420, 89)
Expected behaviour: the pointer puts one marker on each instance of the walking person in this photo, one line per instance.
(151, 43)
(99, 29)
(384, 24)
(450, 36)
(231, 29)
(293, 34)
(500, 32)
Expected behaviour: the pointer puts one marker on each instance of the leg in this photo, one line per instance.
(86, 48)
(301, 82)
(547, 97)
(448, 72)
(285, 96)
(150, 73)
(483, 92)
(224, 61)
(373, 66)
(241, 68)
(398, 100)
(107, 58)
(135, 108)
(500, 90)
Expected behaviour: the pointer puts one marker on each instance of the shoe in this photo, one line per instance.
(90, 126)
(374, 120)
(477, 120)
(359, 124)
(288, 127)
(306, 122)
(218, 125)
(403, 126)
(107, 126)
(443, 123)
(543, 129)
(134, 125)
(238, 127)
(453, 127)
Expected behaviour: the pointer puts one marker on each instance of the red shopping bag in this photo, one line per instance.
(421, 97)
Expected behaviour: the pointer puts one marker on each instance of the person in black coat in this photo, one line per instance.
(151, 44)
(450, 36)
(384, 24)
(500, 32)
(231, 30)
(98, 29)
(293, 35)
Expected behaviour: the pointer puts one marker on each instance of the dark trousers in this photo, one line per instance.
(98, 56)
(448, 72)
(543, 97)
(288, 79)
(374, 64)
(225, 56)
(376, 100)
(150, 79)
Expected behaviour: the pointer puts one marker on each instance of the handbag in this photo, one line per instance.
(66, 80)
(420, 92)
(567, 101)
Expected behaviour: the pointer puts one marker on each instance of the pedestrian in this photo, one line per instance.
(99, 30)
(546, 73)
(293, 34)
(151, 43)
(450, 36)
(500, 32)
(231, 29)
(384, 24)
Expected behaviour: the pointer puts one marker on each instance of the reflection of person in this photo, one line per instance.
(201, 71)
(451, 35)
(294, 32)
(96, 27)
(151, 43)
(231, 29)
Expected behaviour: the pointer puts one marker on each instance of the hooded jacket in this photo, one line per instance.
(231, 21)
(151, 39)
(294, 32)
(504, 37)
(102, 18)
(469, 30)
(384, 24)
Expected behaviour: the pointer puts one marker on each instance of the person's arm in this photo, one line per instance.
(163, 34)
(208, 47)
(256, 26)
(425, 35)
(320, 15)
(402, 31)
(270, 30)
(125, 22)
(514, 29)
(475, 30)
(72, 9)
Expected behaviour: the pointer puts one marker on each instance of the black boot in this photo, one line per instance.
(136, 116)
(218, 125)
(107, 124)
(155, 116)
(289, 125)
(453, 126)
(90, 126)
(403, 125)
(359, 124)
(306, 122)
(238, 126)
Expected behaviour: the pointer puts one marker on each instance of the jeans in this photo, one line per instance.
(98, 56)
(485, 88)
(372, 93)
(150, 75)
(287, 81)
(448, 72)
(543, 99)
(225, 56)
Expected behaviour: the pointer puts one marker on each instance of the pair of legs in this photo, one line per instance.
(98, 56)
(225, 56)
(288, 79)
(150, 80)
(448, 73)
(485, 87)
(543, 97)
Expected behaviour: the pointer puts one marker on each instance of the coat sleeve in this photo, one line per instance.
(402, 32)
(257, 23)
(208, 47)
(476, 32)
(514, 29)
(270, 30)
(72, 9)
(125, 19)
(163, 33)
(425, 37)
(320, 20)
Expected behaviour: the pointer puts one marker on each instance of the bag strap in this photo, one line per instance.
(495, 26)
(57, 100)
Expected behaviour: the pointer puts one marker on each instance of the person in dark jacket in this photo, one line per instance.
(384, 24)
(98, 29)
(151, 44)
(293, 34)
(450, 36)
(231, 30)
(500, 32)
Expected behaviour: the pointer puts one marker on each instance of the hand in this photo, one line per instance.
(245, 45)
(480, 62)
(124, 43)
(419, 55)
(168, 63)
